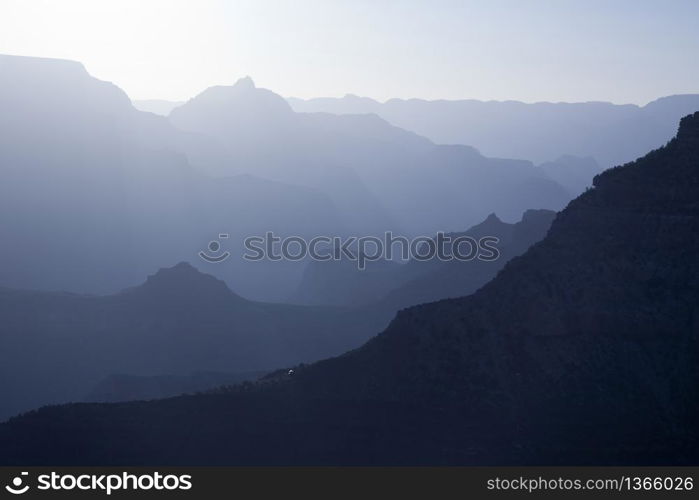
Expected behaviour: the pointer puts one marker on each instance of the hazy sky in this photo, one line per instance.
(558, 50)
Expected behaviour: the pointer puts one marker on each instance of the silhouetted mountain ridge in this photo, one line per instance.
(110, 192)
(541, 131)
(134, 190)
(238, 112)
(583, 350)
(178, 321)
(185, 283)
(356, 159)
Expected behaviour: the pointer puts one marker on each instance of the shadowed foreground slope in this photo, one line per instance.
(583, 350)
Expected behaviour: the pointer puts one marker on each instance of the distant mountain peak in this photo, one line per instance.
(184, 281)
(489, 226)
(359, 99)
(245, 83)
(183, 271)
(180, 267)
(240, 112)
